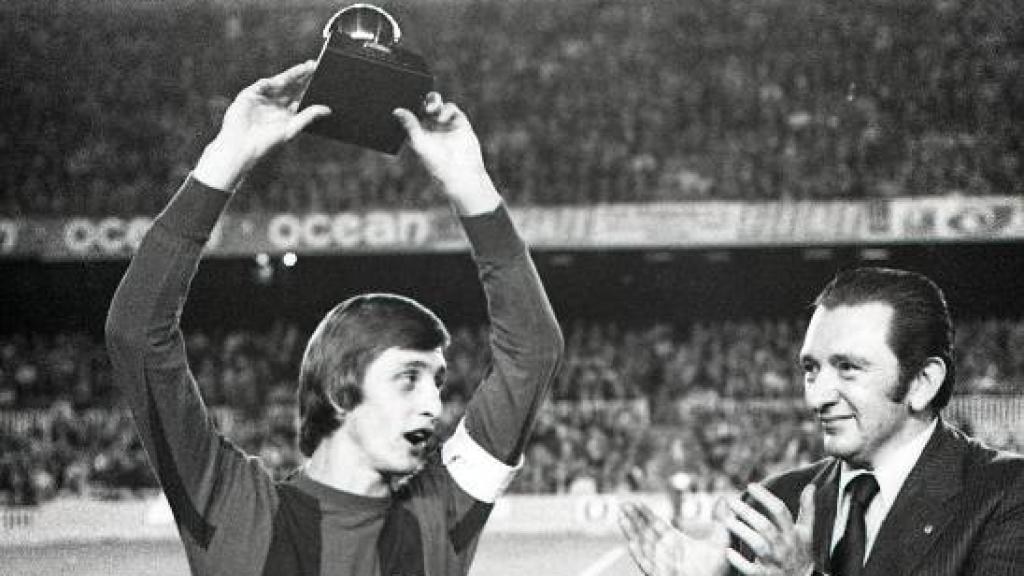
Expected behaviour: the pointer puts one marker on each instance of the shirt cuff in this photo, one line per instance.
(474, 469)
(493, 236)
(194, 210)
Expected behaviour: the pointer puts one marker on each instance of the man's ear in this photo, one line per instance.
(925, 386)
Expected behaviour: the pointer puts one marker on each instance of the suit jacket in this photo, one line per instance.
(959, 513)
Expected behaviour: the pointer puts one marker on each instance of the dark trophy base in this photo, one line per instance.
(362, 84)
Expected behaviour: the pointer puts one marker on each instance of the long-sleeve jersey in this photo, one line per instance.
(232, 516)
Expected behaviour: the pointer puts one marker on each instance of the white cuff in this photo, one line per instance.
(474, 469)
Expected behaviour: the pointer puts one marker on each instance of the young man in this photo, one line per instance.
(373, 498)
(901, 492)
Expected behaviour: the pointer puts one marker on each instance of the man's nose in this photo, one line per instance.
(430, 401)
(821, 391)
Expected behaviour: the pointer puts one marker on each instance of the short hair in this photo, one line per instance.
(347, 340)
(921, 325)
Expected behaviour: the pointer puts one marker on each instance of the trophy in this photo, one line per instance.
(362, 74)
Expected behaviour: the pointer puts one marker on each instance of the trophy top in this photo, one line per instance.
(365, 23)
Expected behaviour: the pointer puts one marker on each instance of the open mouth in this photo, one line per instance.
(419, 437)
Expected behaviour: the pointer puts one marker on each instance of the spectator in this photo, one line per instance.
(613, 425)
(710, 100)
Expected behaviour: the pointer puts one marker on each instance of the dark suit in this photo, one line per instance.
(960, 511)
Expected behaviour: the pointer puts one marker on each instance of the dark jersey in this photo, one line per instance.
(233, 518)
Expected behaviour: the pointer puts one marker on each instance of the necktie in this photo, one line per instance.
(848, 557)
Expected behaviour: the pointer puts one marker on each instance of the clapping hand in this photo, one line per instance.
(782, 546)
(661, 550)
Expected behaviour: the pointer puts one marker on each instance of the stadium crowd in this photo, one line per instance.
(104, 105)
(631, 407)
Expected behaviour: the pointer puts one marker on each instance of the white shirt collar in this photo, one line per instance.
(892, 471)
(891, 474)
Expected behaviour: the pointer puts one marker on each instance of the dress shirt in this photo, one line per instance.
(891, 472)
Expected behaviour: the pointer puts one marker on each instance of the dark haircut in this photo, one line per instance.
(921, 326)
(346, 341)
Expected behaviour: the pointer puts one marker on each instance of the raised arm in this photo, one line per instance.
(526, 343)
(144, 339)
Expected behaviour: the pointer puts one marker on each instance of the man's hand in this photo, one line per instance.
(660, 550)
(444, 141)
(782, 547)
(262, 117)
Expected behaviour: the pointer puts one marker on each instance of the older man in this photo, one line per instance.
(901, 492)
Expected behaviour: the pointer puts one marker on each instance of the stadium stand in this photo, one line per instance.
(104, 108)
(720, 400)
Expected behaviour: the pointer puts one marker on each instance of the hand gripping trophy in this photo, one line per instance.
(363, 74)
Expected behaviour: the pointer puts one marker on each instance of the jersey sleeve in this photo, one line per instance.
(526, 349)
(206, 479)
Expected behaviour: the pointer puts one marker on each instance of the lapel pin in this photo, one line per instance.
(928, 529)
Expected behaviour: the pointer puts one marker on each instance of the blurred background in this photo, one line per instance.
(689, 173)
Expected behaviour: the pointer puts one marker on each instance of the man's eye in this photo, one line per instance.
(846, 367)
(409, 379)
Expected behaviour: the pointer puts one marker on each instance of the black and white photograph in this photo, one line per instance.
(511, 287)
